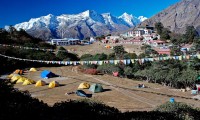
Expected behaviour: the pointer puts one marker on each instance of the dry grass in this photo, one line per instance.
(119, 92)
(100, 48)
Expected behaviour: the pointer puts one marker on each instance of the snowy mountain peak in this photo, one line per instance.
(50, 15)
(129, 19)
(126, 15)
(142, 18)
(81, 25)
(88, 13)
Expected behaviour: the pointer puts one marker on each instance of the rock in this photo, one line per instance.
(178, 16)
(188, 89)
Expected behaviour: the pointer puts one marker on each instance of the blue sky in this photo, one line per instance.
(16, 11)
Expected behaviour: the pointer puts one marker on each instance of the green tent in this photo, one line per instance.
(95, 88)
(198, 78)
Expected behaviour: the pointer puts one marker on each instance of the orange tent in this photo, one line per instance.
(18, 71)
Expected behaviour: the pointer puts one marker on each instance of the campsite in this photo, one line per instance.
(117, 92)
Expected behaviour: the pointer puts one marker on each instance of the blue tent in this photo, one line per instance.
(81, 93)
(46, 74)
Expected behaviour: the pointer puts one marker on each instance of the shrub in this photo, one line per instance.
(101, 56)
(84, 109)
(108, 68)
(128, 71)
(20, 105)
(86, 57)
(181, 110)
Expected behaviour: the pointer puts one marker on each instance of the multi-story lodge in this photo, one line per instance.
(65, 41)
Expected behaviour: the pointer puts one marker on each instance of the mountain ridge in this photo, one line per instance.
(178, 16)
(81, 25)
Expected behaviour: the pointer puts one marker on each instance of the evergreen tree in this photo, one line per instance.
(165, 34)
(190, 34)
(62, 53)
(159, 27)
(119, 51)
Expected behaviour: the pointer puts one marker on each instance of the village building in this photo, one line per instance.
(163, 51)
(186, 47)
(133, 41)
(65, 41)
(128, 34)
(112, 37)
(144, 31)
(155, 43)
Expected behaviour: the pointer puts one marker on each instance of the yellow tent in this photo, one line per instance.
(28, 82)
(21, 80)
(53, 84)
(15, 78)
(11, 75)
(84, 86)
(14, 75)
(40, 83)
(33, 69)
(32, 81)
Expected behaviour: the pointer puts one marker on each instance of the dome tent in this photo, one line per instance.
(53, 84)
(40, 83)
(21, 80)
(47, 74)
(15, 78)
(84, 86)
(28, 82)
(81, 93)
(33, 69)
(95, 88)
(18, 71)
(13, 74)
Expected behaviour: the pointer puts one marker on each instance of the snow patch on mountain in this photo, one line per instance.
(142, 18)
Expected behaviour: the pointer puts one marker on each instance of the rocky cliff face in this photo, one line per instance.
(178, 16)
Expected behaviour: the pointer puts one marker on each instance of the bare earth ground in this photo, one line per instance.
(98, 47)
(119, 92)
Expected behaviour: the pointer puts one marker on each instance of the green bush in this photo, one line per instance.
(101, 56)
(128, 71)
(108, 68)
(181, 110)
(86, 57)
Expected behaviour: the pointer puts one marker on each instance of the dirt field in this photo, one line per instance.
(100, 48)
(119, 92)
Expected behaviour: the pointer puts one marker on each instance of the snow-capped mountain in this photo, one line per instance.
(82, 25)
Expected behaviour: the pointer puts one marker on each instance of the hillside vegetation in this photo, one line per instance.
(21, 38)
